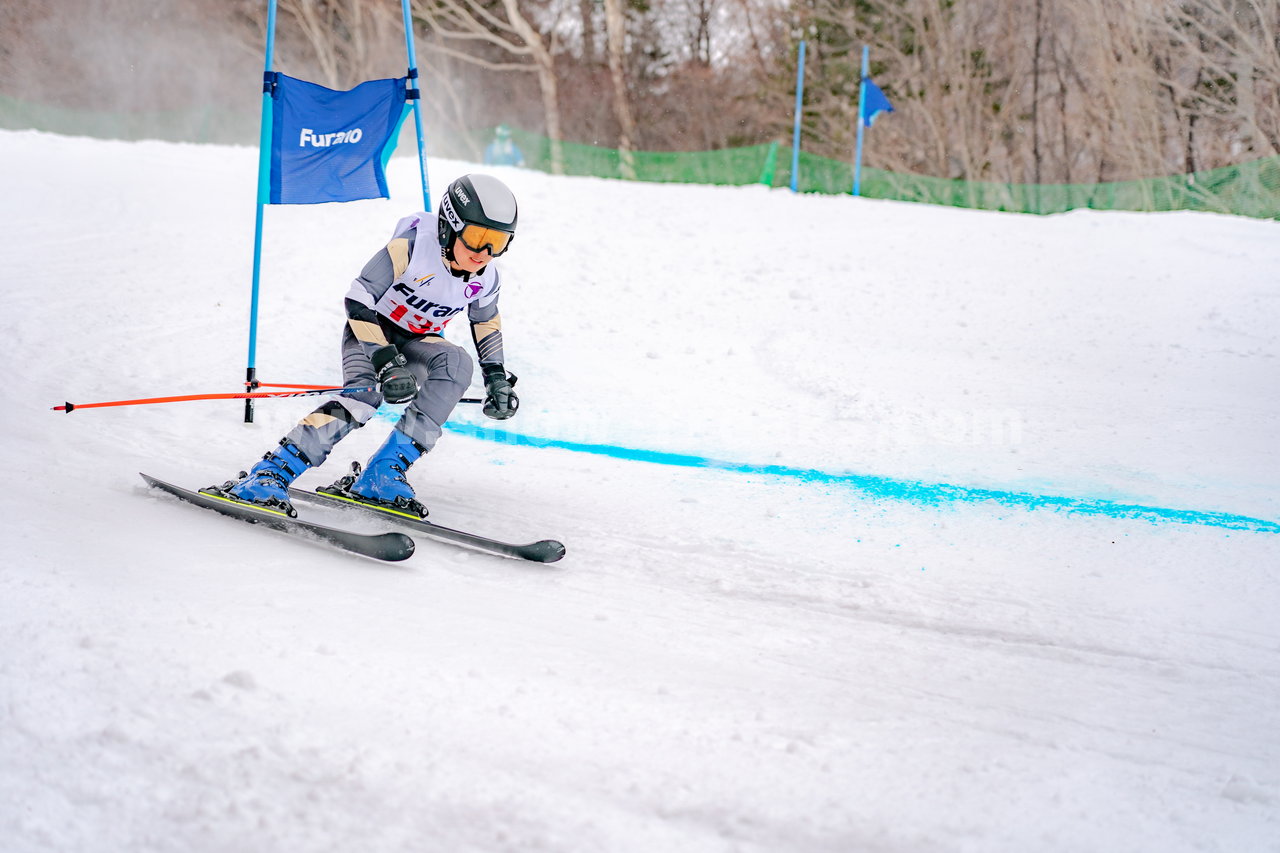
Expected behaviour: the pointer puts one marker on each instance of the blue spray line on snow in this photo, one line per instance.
(890, 488)
(878, 487)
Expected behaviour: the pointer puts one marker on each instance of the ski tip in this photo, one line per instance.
(546, 551)
(402, 546)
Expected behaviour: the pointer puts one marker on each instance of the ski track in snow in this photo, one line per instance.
(725, 660)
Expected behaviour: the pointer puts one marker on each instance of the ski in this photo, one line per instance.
(543, 551)
(380, 546)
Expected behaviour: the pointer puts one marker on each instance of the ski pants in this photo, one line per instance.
(443, 371)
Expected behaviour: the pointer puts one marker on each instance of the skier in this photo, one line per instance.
(397, 309)
(503, 151)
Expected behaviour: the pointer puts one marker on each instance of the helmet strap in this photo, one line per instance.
(451, 261)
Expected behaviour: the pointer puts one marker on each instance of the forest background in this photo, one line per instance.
(1018, 91)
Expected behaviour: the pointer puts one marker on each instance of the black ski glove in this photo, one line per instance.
(501, 402)
(394, 379)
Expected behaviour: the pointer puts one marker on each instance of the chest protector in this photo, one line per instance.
(427, 295)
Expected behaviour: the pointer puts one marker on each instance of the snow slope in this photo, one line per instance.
(983, 558)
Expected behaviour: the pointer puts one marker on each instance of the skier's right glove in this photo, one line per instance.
(394, 379)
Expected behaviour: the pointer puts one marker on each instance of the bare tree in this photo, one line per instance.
(1234, 46)
(348, 39)
(1051, 91)
(1042, 92)
(616, 24)
(510, 34)
(587, 18)
(699, 72)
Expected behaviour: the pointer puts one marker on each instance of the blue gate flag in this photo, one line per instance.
(333, 146)
(874, 103)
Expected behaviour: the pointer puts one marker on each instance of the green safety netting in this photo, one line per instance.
(196, 124)
(1247, 189)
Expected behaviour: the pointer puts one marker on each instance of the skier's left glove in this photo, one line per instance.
(501, 402)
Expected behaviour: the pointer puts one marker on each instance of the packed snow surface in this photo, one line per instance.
(889, 528)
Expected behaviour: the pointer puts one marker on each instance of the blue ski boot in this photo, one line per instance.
(267, 483)
(382, 482)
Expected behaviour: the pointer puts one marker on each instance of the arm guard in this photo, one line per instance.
(487, 335)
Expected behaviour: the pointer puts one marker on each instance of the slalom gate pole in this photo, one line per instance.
(795, 139)
(862, 120)
(264, 198)
(416, 88)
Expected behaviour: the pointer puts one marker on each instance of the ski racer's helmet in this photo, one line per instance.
(479, 209)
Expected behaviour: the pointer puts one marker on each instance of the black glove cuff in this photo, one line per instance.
(383, 356)
(493, 369)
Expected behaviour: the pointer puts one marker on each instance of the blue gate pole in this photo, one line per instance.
(862, 100)
(264, 196)
(795, 139)
(417, 104)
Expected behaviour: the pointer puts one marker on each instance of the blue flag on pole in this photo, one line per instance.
(333, 146)
(874, 103)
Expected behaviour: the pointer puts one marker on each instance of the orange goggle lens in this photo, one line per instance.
(477, 238)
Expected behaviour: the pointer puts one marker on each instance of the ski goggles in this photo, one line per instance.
(477, 238)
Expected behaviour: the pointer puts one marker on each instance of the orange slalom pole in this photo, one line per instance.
(146, 401)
